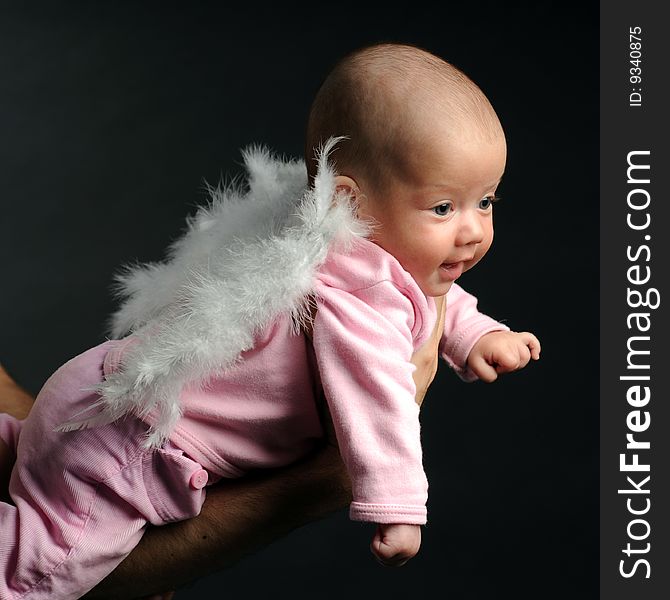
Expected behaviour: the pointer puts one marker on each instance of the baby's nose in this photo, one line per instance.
(470, 229)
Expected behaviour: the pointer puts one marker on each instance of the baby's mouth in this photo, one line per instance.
(453, 270)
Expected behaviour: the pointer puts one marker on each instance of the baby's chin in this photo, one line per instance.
(440, 286)
(436, 290)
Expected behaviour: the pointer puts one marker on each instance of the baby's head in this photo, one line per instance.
(423, 156)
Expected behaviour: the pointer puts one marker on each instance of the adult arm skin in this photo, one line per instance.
(13, 398)
(238, 517)
(17, 402)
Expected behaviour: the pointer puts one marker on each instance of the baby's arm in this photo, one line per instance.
(477, 346)
(395, 543)
(363, 345)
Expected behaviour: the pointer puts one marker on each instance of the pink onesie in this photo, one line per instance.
(78, 511)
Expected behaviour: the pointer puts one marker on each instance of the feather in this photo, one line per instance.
(247, 257)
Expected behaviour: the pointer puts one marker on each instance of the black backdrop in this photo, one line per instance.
(111, 116)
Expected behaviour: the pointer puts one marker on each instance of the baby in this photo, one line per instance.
(424, 157)
(375, 243)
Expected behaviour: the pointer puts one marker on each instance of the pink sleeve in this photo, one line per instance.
(363, 345)
(463, 326)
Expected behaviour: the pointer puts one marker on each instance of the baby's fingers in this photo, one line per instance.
(482, 369)
(394, 544)
(533, 344)
(512, 359)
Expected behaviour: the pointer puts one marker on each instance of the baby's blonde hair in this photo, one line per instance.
(373, 96)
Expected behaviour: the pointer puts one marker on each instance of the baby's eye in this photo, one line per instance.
(442, 210)
(486, 202)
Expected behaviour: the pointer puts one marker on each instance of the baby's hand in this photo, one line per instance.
(502, 352)
(394, 543)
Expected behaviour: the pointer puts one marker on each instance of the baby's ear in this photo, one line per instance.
(346, 185)
(347, 188)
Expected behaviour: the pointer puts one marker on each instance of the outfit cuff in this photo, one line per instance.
(388, 513)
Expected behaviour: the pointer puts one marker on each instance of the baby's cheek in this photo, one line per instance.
(482, 249)
(486, 242)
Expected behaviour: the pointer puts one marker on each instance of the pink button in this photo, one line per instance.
(199, 479)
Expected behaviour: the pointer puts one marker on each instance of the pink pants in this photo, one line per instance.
(81, 500)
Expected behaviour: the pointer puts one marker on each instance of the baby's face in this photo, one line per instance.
(436, 218)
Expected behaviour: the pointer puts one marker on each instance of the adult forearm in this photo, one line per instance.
(17, 402)
(238, 518)
(13, 398)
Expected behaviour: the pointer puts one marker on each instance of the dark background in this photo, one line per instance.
(111, 116)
